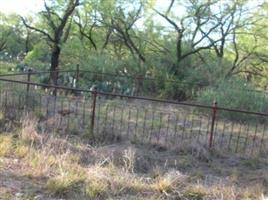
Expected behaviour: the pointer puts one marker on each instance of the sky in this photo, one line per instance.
(21, 7)
(30, 7)
(26, 7)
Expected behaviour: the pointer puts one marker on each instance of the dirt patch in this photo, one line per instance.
(14, 184)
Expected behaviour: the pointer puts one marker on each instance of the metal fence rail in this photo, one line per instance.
(108, 117)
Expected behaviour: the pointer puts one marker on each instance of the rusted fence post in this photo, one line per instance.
(94, 99)
(29, 72)
(214, 112)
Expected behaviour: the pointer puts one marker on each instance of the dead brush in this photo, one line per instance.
(170, 183)
(129, 159)
(28, 131)
(196, 147)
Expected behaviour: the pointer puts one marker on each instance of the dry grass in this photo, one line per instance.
(71, 169)
(6, 144)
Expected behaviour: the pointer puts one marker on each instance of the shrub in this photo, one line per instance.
(236, 94)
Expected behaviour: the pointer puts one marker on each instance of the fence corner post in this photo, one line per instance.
(214, 111)
(93, 111)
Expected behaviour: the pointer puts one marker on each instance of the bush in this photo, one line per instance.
(236, 94)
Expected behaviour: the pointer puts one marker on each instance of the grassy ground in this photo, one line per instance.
(42, 166)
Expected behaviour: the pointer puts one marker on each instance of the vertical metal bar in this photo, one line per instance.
(29, 79)
(84, 112)
(175, 128)
(254, 137)
(56, 82)
(215, 131)
(129, 116)
(19, 100)
(246, 138)
(262, 138)
(231, 136)
(54, 105)
(105, 120)
(214, 111)
(168, 122)
(47, 103)
(77, 76)
(28, 86)
(94, 96)
(160, 123)
(68, 115)
(184, 126)
(263, 100)
(61, 108)
(200, 127)
(113, 120)
(33, 100)
(144, 122)
(98, 118)
(47, 111)
(76, 112)
(223, 130)
(40, 104)
(238, 138)
(208, 125)
(152, 126)
(136, 123)
(121, 119)
(191, 128)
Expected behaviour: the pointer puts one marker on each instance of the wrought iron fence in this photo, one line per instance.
(108, 117)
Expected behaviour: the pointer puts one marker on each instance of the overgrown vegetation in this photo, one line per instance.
(196, 47)
(235, 93)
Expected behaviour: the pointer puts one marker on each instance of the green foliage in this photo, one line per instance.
(38, 58)
(127, 38)
(38, 55)
(236, 94)
(12, 38)
(6, 66)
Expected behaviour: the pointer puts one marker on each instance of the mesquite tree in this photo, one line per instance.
(58, 23)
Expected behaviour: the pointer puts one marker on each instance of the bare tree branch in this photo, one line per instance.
(37, 29)
(170, 6)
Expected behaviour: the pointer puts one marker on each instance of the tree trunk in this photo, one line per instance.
(176, 66)
(54, 66)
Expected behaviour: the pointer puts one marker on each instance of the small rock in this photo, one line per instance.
(19, 195)
(39, 197)
(233, 161)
